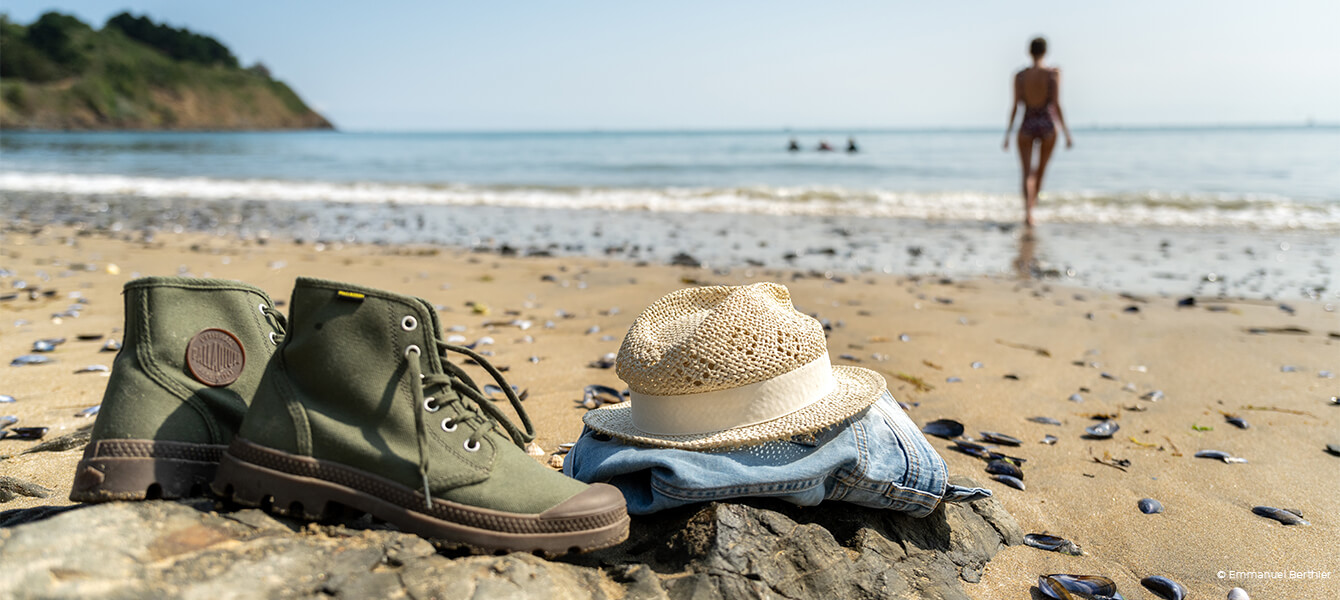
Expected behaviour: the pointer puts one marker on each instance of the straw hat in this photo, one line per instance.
(727, 366)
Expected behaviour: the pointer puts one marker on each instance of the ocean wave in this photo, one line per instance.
(1147, 208)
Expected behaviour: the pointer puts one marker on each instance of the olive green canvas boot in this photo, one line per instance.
(360, 408)
(193, 354)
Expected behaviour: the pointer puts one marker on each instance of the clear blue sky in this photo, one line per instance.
(782, 63)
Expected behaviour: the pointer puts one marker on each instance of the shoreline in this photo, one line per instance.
(1205, 359)
(1149, 260)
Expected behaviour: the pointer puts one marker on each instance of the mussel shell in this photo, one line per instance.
(1044, 420)
(1091, 585)
(1050, 542)
(944, 428)
(1164, 587)
(1000, 438)
(1220, 455)
(1013, 482)
(24, 433)
(7, 420)
(1000, 467)
(6, 399)
(93, 369)
(972, 449)
(1333, 449)
(1102, 430)
(1286, 517)
(1150, 506)
(1049, 439)
(1238, 422)
(30, 359)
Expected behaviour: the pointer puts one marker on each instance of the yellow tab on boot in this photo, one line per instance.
(350, 295)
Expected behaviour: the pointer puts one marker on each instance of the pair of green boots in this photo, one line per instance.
(355, 405)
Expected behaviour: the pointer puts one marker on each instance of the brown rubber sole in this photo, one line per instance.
(310, 488)
(144, 469)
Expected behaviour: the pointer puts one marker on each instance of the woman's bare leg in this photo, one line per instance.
(1044, 155)
(1025, 143)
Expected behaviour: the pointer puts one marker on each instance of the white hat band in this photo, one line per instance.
(751, 404)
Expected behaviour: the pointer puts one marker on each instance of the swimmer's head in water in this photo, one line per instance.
(1037, 47)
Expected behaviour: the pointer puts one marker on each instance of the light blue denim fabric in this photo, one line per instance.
(877, 458)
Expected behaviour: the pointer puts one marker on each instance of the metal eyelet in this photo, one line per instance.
(409, 323)
(448, 420)
(469, 448)
(272, 338)
(261, 307)
(429, 406)
(412, 348)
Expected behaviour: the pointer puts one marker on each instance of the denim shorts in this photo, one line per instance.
(877, 458)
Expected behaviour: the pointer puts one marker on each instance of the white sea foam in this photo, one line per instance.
(1152, 208)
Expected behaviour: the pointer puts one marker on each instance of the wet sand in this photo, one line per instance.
(1203, 359)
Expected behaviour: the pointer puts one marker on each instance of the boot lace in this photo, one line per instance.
(277, 322)
(481, 416)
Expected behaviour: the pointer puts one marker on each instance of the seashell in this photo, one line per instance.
(6, 399)
(1325, 375)
(1061, 585)
(7, 420)
(1013, 482)
(1333, 449)
(1049, 439)
(1150, 506)
(1044, 420)
(1288, 369)
(47, 345)
(91, 411)
(456, 339)
(534, 449)
(1237, 421)
(1153, 396)
(593, 329)
(953, 380)
(88, 337)
(94, 369)
(1076, 398)
(111, 345)
(1106, 375)
(972, 449)
(1102, 430)
(23, 433)
(977, 365)
(556, 461)
(1043, 541)
(30, 359)
(943, 428)
(1000, 438)
(605, 362)
(1238, 594)
(534, 359)
(1287, 517)
(1164, 588)
(1220, 455)
(1001, 467)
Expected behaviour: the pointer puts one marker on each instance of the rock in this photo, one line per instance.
(11, 488)
(752, 549)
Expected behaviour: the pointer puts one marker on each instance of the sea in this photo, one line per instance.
(900, 197)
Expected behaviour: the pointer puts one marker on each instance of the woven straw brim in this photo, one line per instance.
(856, 390)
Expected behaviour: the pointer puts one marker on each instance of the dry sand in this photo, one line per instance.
(1204, 361)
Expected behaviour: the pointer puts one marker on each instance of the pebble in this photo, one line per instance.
(1076, 398)
(111, 345)
(1150, 506)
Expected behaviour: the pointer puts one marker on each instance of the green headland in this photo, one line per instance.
(60, 73)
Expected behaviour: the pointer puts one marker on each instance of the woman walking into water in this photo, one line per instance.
(1038, 89)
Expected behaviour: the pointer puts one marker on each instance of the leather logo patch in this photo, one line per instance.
(215, 357)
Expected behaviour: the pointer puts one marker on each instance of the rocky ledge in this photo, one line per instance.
(756, 549)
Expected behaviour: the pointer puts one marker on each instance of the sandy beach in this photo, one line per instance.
(989, 352)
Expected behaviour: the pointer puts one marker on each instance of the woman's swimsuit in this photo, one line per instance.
(1038, 119)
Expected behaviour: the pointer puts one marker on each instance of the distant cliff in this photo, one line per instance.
(59, 73)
